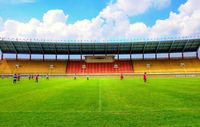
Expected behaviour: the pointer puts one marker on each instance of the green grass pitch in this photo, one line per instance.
(100, 102)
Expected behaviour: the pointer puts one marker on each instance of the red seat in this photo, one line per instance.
(124, 66)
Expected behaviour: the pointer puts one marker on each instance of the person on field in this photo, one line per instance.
(88, 77)
(145, 77)
(121, 76)
(14, 78)
(29, 77)
(47, 77)
(18, 77)
(75, 76)
(2, 76)
(36, 78)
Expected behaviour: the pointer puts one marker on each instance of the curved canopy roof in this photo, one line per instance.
(168, 46)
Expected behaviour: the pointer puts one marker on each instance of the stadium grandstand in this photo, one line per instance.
(100, 57)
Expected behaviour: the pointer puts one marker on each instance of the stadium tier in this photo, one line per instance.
(81, 67)
(166, 66)
(32, 67)
(100, 58)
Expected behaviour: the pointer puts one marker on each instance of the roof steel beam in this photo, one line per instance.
(191, 46)
(28, 48)
(178, 45)
(106, 48)
(157, 47)
(55, 49)
(198, 47)
(14, 47)
(171, 47)
(93, 48)
(81, 49)
(118, 49)
(103, 48)
(185, 46)
(144, 47)
(131, 50)
(68, 49)
(41, 47)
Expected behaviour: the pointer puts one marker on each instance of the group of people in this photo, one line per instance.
(75, 77)
(32, 77)
(16, 77)
(121, 77)
(144, 77)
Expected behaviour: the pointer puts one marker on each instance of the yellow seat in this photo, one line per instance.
(166, 66)
(32, 67)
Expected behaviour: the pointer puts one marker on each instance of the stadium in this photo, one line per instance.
(100, 63)
(169, 97)
(101, 57)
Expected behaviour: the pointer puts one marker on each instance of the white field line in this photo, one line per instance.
(100, 103)
(130, 112)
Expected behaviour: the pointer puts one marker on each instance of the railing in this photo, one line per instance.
(135, 39)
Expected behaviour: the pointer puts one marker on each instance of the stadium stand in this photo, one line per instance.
(32, 67)
(81, 67)
(166, 66)
(4, 67)
(96, 64)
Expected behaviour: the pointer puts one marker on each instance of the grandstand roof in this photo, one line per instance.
(140, 47)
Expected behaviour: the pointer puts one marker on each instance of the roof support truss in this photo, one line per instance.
(144, 47)
(185, 46)
(14, 47)
(118, 49)
(28, 48)
(171, 47)
(190, 45)
(41, 48)
(157, 47)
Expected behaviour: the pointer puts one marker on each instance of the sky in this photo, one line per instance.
(99, 19)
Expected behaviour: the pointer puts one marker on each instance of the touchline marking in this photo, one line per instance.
(99, 97)
(129, 112)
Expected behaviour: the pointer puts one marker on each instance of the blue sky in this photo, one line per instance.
(153, 14)
(99, 19)
(77, 10)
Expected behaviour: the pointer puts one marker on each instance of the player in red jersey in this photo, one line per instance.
(18, 77)
(36, 78)
(121, 76)
(145, 77)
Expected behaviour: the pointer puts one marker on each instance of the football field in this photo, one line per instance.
(100, 102)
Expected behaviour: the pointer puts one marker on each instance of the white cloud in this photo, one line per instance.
(54, 16)
(135, 7)
(1, 23)
(138, 30)
(161, 3)
(184, 23)
(111, 23)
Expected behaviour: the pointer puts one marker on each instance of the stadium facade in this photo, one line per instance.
(103, 48)
(100, 56)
